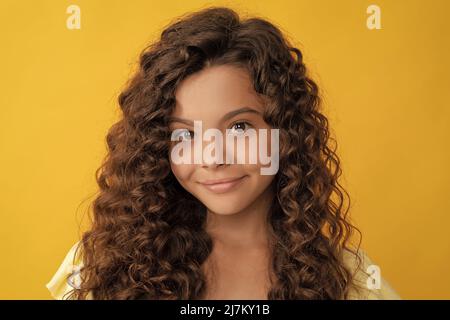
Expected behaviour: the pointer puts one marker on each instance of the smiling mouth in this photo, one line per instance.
(222, 185)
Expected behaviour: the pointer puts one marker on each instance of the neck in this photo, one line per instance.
(247, 228)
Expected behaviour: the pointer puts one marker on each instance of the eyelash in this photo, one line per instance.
(243, 122)
(235, 123)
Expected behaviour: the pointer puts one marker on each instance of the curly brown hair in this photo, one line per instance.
(147, 239)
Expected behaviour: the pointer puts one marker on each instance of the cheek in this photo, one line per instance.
(252, 151)
(264, 181)
(264, 148)
(261, 180)
(182, 172)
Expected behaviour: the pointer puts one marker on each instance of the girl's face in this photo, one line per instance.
(221, 97)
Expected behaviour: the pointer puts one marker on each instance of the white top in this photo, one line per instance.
(59, 285)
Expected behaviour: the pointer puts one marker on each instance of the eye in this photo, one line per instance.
(185, 135)
(240, 127)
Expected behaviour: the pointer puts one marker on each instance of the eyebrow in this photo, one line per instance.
(227, 116)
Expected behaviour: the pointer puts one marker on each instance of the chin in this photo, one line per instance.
(225, 207)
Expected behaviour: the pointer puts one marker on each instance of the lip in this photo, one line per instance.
(222, 185)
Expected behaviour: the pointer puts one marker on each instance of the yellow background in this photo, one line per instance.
(386, 93)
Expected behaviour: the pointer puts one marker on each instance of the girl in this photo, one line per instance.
(213, 229)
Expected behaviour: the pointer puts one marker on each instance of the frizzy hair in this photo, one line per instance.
(147, 239)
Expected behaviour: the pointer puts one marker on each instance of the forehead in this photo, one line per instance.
(214, 91)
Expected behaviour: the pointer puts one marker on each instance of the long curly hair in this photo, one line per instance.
(147, 239)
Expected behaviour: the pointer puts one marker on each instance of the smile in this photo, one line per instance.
(222, 185)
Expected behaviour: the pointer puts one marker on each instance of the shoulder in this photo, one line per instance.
(363, 277)
(66, 277)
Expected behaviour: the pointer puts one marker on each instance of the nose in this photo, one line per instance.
(213, 166)
(213, 154)
(209, 161)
